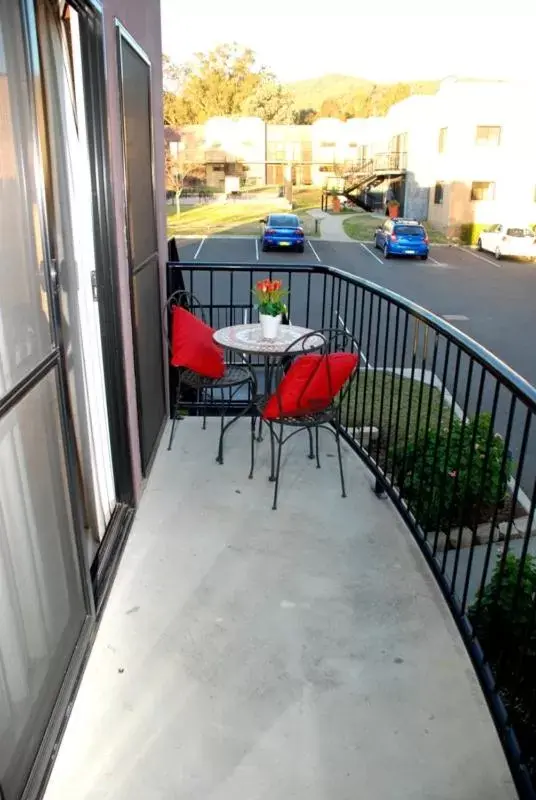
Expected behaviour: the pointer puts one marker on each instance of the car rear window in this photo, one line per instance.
(410, 230)
(283, 221)
(520, 232)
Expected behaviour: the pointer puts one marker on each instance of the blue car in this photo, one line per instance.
(402, 237)
(282, 230)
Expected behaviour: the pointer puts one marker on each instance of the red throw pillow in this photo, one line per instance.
(310, 385)
(192, 345)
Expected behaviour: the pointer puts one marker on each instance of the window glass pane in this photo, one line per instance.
(40, 590)
(483, 190)
(283, 221)
(24, 316)
(488, 135)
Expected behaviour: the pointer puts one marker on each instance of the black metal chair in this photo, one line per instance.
(310, 414)
(236, 376)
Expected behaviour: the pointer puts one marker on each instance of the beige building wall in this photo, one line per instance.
(508, 164)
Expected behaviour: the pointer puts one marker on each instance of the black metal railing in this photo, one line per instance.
(448, 431)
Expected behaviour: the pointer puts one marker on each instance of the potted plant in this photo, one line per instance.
(394, 208)
(270, 296)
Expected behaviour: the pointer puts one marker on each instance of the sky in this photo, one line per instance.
(387, 46)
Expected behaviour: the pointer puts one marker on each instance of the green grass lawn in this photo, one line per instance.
(362, 227)
(363, 405)
(236, 218)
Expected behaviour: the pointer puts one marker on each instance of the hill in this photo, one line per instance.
(312, 92)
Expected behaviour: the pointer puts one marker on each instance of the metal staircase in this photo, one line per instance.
(366, 174)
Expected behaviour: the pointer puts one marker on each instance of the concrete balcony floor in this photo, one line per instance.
(247, 654)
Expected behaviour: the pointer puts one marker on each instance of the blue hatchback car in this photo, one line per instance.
(402, 237)
(282, 230)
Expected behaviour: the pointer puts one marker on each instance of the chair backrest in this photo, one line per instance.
(185, 300)
(323, 364)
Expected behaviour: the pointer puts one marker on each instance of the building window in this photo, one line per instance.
(438, 193)
(216, 145)
(442, 143)
(488, 135)
(327, 144)
(482, 190)
(352, 144)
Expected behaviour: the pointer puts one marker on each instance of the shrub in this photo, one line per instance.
(454, 483)
(503, 618)
(470, 232)
(503, 614)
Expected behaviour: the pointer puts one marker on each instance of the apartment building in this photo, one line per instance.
(469, 154)
(485, 163)
(463, 156)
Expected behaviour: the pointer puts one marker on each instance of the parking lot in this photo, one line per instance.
(494, 302)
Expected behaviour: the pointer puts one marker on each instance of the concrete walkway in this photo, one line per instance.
(247, 654)
(331, 228)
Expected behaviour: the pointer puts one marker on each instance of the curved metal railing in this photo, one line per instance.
(449, 432)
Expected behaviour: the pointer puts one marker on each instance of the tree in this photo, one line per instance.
(305, 116)
(271, 102)
(332, 108)
(219, 82)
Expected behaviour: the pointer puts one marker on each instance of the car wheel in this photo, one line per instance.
(497, 254)
(386, 253)
(376, 243)
(479, 245)
(424, 257)
(301, 248)
(264, 248)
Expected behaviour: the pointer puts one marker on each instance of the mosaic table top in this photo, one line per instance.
(249, 339)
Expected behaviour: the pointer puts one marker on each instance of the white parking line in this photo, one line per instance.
(482, 258)
(257, 249)
(361, 354)
(434, 261)
(314, 251)
(201, 243)
(364, 246)
(455, 317)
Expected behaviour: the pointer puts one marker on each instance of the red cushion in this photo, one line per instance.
(310, 385)
(192, 345)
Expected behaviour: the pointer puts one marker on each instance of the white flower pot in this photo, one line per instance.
(269, 325)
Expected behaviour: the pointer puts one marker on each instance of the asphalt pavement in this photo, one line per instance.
(493, 302)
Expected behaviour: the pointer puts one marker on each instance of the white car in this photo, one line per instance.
(501, 240)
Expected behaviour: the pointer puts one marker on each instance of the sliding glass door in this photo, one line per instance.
(44, 597)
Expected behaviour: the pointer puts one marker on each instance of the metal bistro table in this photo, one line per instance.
(248, 340)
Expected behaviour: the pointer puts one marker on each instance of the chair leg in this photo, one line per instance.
(317, 448)
(172, 428)
(252, 437)
(278, 470)
(311, 448)
(176, 409)
(219, 457)
(204, 409)
(272, 452)
(338, 440)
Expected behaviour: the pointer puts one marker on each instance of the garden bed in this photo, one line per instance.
(411, 447)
